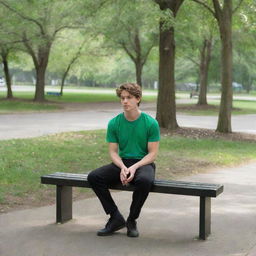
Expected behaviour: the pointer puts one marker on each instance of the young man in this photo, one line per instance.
(133, 138)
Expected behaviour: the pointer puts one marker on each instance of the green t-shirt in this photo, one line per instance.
(133, 136)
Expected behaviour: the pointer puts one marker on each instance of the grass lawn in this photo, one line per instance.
(240, 107)
(23, 161)
(14, 106)
(24, 103)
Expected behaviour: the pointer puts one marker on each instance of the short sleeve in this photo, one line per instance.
(111, 132)
(154, 132)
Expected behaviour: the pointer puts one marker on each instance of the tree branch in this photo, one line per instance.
(137, 42)
(218, 10)
(206, 6)
(193, 61)
(144, 58)
(65, 27)
(127, 51)
(30, 50)
(23, 16)
(238, 6)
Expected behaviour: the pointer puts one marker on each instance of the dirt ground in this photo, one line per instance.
(198, 133)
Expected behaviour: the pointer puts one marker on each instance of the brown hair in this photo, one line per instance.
(133, 88)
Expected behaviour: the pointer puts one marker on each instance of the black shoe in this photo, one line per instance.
(132, 230)
(113, 224)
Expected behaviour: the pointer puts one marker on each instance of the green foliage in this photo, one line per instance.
(104, 25)
(244, 45)
(193, 26)
(125, 25)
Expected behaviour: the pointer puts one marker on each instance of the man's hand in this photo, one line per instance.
(148, 159)
(123, 175)
(127, 174)
(131, 173)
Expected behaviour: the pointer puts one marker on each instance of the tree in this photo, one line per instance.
(39, 23)
(166, 106)
(223, 13)
(64, 55)
(125, 25)
(136, 53)
(195, 42)
(6, 47)
(71, 63)
(244, 39)
(4, 52)
(204, 67)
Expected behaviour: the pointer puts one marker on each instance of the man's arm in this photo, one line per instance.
(147, 159)
(116, 159)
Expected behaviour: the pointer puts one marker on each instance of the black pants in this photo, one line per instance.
(101, 178)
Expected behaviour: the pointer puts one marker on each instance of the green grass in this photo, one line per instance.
(23, 161)
(245, 106)
(21, 95)
(240, 107)
(25, 104)
(91, 97)
(83, 97)
(11, 106)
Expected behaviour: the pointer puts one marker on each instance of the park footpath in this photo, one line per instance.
(168, 224)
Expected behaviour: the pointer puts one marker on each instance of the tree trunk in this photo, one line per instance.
(40, 84)
(139, 68)
(204, 68)
(73, 60)
(138, 58)
(166, 105)
(225, 26)
(41, 66)
(7, 75)
(63, 79)
(63, 83)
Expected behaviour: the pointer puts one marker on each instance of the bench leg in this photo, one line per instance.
(205, 217)
(63, 203)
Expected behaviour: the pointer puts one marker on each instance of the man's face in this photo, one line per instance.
(128, 101)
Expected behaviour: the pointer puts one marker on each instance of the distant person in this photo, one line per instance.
(133, 138)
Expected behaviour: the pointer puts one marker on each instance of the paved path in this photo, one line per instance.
(96, 117)
(168, 224)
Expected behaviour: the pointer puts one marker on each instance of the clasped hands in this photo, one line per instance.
(127, 174)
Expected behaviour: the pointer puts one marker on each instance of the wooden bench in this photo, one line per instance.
(54, 93)
(65, 181)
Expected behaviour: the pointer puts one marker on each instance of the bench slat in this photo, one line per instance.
(160, 186)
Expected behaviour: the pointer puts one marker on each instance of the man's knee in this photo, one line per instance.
(91, 177)
(144, 182)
